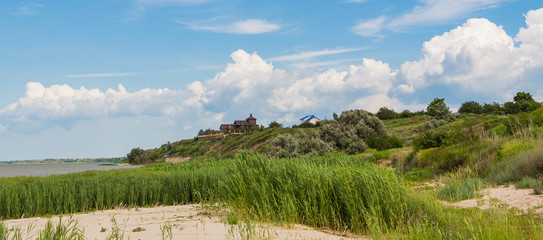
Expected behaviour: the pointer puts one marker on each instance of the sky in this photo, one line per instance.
(96, 78)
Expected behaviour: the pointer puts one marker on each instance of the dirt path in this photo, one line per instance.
(186, 221)
(523, 199)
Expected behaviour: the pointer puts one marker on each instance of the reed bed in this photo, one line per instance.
(89, 191)
(338, 192)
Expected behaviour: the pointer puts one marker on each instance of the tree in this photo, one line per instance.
(523, 96)
(471, 107)
(201, 132)
(275, 124)
(511, 108)
(385, 113)
(438, 108)
(135, 156)
(492, 108)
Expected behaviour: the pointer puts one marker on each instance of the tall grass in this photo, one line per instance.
(80, 192)
(60, 231)
(336, 192)
(523, 160)
(431, 220)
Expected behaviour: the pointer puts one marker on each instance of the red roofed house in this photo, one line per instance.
(239, 124)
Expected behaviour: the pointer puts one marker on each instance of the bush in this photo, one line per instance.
(385, 113)
(432, 124)
(299, 144)
(383, 142)
(275, 124)
(430, 139)
(524, 164)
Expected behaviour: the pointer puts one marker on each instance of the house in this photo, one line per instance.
(239, 125)
(310, 119)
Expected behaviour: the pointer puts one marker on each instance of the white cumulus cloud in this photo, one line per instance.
(473, 56)
(61, 103)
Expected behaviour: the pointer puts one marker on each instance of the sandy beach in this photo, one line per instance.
(523, 199)
(185, 221)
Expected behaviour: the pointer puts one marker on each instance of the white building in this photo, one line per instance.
(310, 118)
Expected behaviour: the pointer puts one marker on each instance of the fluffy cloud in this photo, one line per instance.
(531, 38)
(473, 55)
(470, 57)
(476, 55)
(59, 103)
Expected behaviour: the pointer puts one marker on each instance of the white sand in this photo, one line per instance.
(187, 221)
(523, 199)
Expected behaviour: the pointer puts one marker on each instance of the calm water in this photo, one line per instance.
(11, 170)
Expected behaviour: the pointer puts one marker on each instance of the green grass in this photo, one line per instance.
(337, 192)
(462, 189)
(520, 159)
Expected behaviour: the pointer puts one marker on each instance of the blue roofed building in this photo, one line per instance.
(310, 118)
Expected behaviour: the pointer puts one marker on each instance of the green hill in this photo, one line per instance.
(216, 148)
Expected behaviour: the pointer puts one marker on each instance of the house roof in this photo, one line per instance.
(241, 122)
(309, 117)
(251, 117)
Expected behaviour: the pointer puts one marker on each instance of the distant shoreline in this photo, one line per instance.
(66, 161)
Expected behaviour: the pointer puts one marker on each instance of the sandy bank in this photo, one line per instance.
(523, 199)
(186, 221)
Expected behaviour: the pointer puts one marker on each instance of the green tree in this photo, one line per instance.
(471, 107)
(385, 113)
(511, 108)
(437, 108)
(523, 96)
(135, 156)
(275, 124)
(492, 108)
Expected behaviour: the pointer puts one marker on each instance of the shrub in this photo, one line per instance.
(432, 124)
(385, 113)
(525, 164)
(383, 142)
(299, 144)
(430, 139)
(275, 124)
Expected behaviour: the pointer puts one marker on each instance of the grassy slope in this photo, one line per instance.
(218, 148)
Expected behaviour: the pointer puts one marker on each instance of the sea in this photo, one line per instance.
(45, 169)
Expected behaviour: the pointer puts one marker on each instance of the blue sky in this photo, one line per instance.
(98, 78)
